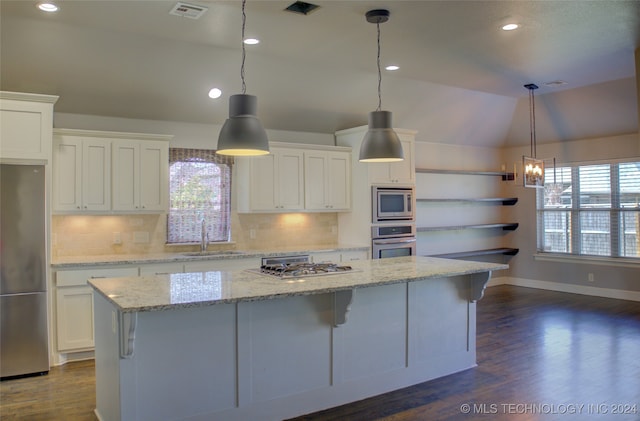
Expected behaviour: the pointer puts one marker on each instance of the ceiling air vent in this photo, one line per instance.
(186, 10)
(302, 8)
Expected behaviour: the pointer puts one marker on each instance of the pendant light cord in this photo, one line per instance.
(532, 121)
(379, 73)
(244, 18)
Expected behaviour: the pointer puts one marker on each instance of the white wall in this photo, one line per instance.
(191, 135)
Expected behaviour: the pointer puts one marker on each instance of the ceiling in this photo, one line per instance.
(460, 80)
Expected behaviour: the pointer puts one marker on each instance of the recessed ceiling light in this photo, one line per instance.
(48, 7)
(215, 93)
(251, 41)
(392, 67)
(510, 26)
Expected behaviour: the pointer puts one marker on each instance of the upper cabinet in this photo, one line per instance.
(327, 180)
(274, 183)
(140, 174)
(81, 174)
(402, 172)
(294, 178)
(26, 122)
(104, 172)
(365, 174)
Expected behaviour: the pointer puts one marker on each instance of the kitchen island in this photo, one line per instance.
(240, 345)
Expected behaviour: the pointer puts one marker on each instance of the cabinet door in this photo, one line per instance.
(96, 175)
(263, 182)
(327, 180)
(126, 176)
(25, 127)
(75, 318)
(315, 181)
(154, 176)
(67, 174)
(404, 171)
(339, 181)
(290, 180)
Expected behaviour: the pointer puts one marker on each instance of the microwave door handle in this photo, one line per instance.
(395, 241)
(409, 202)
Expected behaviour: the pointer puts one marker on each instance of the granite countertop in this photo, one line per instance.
(133, 259)
(182, 290)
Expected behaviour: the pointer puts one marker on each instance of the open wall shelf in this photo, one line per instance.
(506, 227)
(505, 251)
(505, 175)
(505, 201)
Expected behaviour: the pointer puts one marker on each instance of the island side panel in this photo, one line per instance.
(184, 363)
(442, 326)
(290, 346)
(107, 359)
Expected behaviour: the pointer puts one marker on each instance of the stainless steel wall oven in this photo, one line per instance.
(393, 240)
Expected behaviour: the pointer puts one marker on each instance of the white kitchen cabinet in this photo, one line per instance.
(74, 306)
(140, 175)
(272, 183)
(402, 172)
(294, 178)
(327, 180)
(81, 174)
(26, 123)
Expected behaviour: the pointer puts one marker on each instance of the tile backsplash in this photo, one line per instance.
(74, 235)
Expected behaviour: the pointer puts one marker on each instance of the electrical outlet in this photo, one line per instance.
(334, 229)
(117, 238)
(590, 277)
(252, 234)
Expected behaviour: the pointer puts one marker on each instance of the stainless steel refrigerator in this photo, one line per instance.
(23, 291)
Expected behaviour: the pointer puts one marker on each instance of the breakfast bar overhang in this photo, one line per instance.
(240, 345)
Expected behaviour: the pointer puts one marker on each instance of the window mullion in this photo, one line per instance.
(615, 211)
(575, 211)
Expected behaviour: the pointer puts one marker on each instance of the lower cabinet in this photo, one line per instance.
(74, 306)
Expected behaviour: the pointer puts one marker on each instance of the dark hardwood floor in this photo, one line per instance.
(542, 355)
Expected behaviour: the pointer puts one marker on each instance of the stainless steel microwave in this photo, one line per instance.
(392, 204)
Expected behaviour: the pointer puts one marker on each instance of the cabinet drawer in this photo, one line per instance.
(67, 278)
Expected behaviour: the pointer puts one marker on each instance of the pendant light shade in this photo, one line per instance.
(380, 143)
(242, 133)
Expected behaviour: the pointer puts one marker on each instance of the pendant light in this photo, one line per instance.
(242, 133)
(533, 167)
(380, 143)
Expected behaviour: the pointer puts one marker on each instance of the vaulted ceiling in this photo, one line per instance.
(460, 79)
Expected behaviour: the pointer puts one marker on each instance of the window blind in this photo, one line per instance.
(199, 190)
(591, 210)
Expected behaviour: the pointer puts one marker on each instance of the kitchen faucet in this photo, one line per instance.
(204, 235)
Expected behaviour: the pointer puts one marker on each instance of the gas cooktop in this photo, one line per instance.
(296, 266)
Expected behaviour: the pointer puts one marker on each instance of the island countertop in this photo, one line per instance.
(183, 290)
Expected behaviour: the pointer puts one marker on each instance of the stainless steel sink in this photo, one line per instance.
(213, 253)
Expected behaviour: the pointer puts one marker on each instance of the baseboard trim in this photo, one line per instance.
(571, 288)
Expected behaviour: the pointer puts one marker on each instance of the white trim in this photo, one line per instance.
(588, 260)
(570, 288)
(21, 96)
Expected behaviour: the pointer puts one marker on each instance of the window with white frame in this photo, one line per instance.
(591, 209)
(199, 190)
